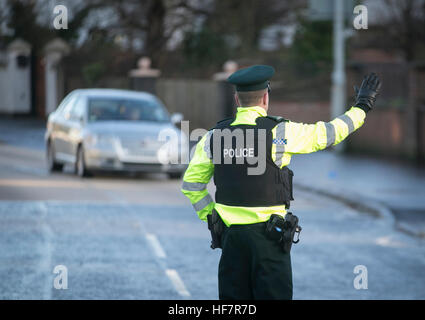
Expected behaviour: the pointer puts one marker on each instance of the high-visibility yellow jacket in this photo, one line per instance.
(297, 138)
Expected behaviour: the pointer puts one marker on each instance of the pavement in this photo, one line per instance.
(22, 131)
(137, 237)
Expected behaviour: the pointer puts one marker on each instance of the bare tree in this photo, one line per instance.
(32, 20)
(154, 22)
(3, 15)
(405, 25)
(247, 19)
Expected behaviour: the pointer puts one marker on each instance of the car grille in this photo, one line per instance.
(140, 146)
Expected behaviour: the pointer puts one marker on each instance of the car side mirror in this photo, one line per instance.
(176, 118)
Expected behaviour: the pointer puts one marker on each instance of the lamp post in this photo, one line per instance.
(338, 99)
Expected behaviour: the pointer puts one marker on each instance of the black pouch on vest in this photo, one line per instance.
(283, 230)
(286, 176)
(216, 227)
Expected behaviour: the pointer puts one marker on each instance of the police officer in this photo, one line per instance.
(253, 181)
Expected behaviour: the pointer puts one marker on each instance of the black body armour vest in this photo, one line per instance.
(237, 156)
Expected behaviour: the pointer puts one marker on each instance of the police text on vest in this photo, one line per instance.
(238, 153)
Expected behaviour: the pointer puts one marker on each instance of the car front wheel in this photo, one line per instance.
(80, 164)
(52, 165)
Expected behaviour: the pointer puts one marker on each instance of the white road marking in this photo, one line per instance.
(156, 246)
(46, 261)
(177, 282)
(159, 252)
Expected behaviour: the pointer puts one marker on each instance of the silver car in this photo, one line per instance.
(118, 130)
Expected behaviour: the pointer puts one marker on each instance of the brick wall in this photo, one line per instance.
(382, 133)
(39, 86)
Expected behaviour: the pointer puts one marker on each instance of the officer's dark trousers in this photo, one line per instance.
(253, 266)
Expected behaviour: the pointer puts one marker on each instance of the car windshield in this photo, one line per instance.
(107, 109)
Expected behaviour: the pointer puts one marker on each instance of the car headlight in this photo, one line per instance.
(90, 139)
(99, 140)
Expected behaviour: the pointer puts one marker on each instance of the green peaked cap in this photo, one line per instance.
(252, 78)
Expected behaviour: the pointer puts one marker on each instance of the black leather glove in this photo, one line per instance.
(366, 95)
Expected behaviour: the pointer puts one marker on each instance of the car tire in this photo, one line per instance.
(52, 164)
(175, 175)
(80, 164)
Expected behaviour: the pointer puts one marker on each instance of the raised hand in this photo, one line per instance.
(369, 89)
